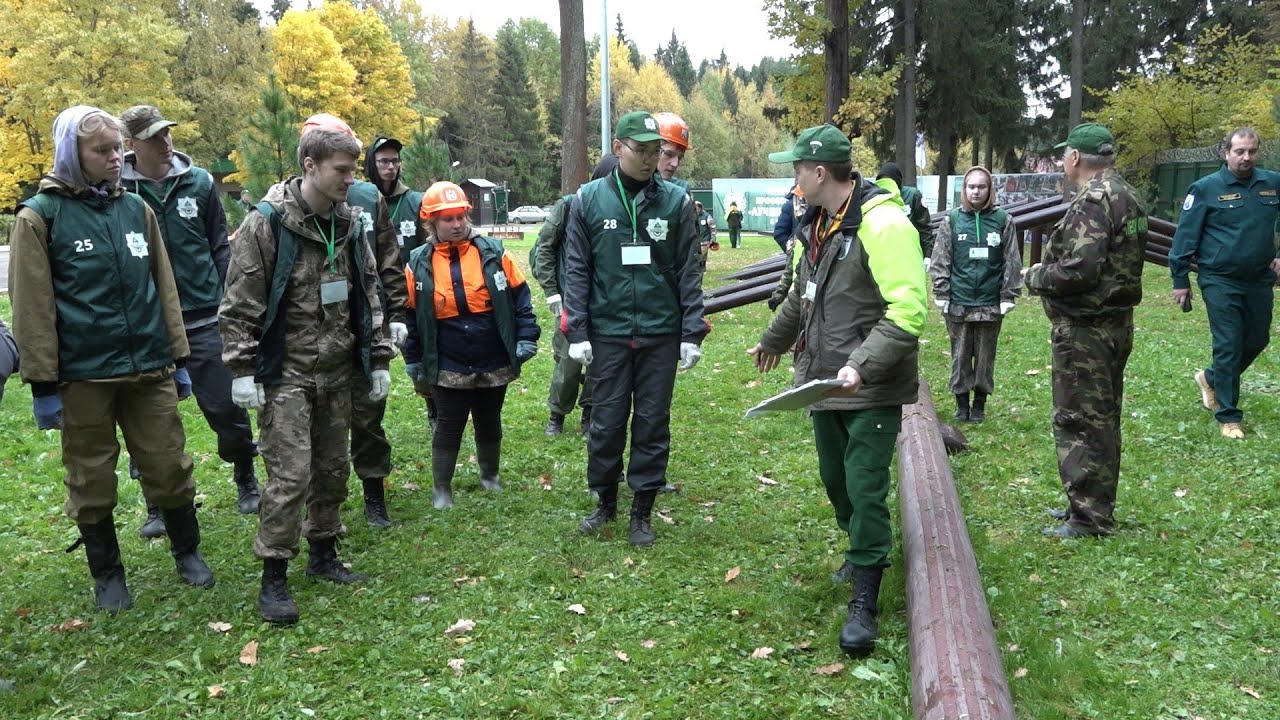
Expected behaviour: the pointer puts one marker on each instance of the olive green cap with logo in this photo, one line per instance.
(1090, 138)
(639, 126)
(826, 143)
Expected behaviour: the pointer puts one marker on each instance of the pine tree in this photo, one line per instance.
(519, 133)
(278, 9)
(425, 158)
(269, 146)
(730, 90)
(675, 58)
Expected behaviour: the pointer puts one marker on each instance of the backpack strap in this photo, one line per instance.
(271, 362)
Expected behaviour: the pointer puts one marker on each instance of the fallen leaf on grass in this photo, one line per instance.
(545, 481)
(766, 480)
(628, 561)
(709, 504)
(665, 518)
(1013, 647)
(317, 649)
(613, 700)
(456, 666)
(1063, 603)
(753, 383)
(467, 580)
(1034, 578)
(22, 612)
(807, 646)
(621, 656)
(71, 625)
(829, 670)
(1033, 371)
(709, 518)
(733, 574)
(411, 487)
(1180, 493)
(761, 653)
(249, 653)
(216, 691)
(1250, 692)
(462, 627)
(577, 608)
(579, 574)
(648, 644)
(422, 599)
(1020, 673)
(220, 627)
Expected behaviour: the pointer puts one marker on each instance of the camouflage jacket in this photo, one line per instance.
(320, 340)
(1092, 267)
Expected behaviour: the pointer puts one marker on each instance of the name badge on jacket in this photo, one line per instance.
(635, 255)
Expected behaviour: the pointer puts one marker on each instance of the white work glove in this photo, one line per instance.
(399, 333)
(248, 394)
(580, 352)
(380, 382)
(927, 262)
(690, 354)
(553, 304)
(1005, 307)
(943, 305)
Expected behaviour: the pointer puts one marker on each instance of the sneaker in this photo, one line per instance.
(1208, 397)
(1233, 431)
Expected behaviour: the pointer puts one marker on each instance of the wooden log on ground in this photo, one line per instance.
(738, 299)
(773, 262)
(770, 279)
(1162, 226)
(1043, 216)
(956, 670)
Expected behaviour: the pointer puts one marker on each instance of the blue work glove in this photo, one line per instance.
(182, 381)
(414, 371)
(48, 412)
(525, 350)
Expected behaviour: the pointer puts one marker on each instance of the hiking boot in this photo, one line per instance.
(844, 574)
(184, 545)
(640, 532)
(375, 503)
(248, 494)
(979, 411)
(102, 551)
(274, 601)
(1058, 514)
(606, 510)
(858, 636)
(443, 463)
(154, 526)
(1208, 397)
(322, 562)
(1067, 531)
(669, 488)
(555, 425)
(488, 457)
(962, 407)
(1233, 430)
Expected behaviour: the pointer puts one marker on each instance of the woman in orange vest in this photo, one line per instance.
(470, 330)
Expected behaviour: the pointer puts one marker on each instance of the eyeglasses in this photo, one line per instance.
(388, 162)
(650, 151)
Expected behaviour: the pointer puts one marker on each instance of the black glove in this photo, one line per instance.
(525, 350)
(773, 304)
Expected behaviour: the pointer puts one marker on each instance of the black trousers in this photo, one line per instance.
(453, 406)
(624, 377)
(211, 384)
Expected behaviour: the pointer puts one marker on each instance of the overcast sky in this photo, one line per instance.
(705, 27)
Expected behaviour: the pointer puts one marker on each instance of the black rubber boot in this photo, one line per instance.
(640, 532)
(248, 494)
(489, 457)
(274, 601)
(375, 503)
(858, 636)
(979, 411)
(322, 562)
(606, 510)
(431, 414)
(184, 545)
(555, 425)
(103, 553)
(154, 526)
(443, 463)
(962, 407)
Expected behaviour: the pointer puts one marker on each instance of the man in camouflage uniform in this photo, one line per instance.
(1090, 281)
(301, 324)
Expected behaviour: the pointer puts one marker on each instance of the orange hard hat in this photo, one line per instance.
(325, 120)
(442, 196)
(673, 129)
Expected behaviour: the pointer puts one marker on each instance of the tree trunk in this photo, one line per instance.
(902, 146)
(946, 163)
(1077, 62)
(976, 149)
(836, 46)
(990, 157)
(909, 88)
(573, 96)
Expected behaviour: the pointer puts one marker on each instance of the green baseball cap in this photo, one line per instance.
(1090, 138)
(639, 126)
(824, 142)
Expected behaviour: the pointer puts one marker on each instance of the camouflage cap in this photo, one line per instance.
(141, 122)
(823, 142)
(1090, 138)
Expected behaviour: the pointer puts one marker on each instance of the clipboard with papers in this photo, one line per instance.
(796, 398)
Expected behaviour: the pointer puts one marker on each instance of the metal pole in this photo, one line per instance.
(605, 143)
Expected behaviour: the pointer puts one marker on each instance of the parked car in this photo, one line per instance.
(527, 214)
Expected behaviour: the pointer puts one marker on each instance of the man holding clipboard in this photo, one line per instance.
(854, 312)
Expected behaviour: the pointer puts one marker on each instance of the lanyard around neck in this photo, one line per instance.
(629, 206)
(146, 188)
(832, 225)
(330, 240)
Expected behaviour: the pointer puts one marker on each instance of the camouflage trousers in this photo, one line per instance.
(973, 355)
(566, 377)
(1088, 392)
(303, 442)
(145, 408)
(370, 449)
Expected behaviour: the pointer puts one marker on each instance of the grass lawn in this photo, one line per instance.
(1173, 617)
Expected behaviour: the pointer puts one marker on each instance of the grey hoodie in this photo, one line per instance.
(66, 146)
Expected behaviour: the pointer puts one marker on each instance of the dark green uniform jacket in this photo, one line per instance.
(603, 297)
(381, 236)
(1228, 227)
(546, 258)
(978, 256)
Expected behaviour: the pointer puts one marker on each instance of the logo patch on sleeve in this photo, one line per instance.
(1186, 204)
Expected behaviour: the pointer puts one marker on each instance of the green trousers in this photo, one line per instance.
(855, 449)
(566, 378)
(1240, 323)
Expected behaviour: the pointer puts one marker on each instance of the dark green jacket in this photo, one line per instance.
(605, 298)
(546, 258)
(977, 259)
(1228, 228)
(383, 240)
(403, 205)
